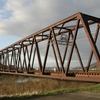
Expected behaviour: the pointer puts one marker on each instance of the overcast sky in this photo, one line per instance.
(20, 18)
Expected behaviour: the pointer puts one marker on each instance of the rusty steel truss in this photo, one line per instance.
(21, 55)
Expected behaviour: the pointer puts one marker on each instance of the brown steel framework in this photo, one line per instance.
(21, 55)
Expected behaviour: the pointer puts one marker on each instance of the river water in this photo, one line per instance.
(16, 79)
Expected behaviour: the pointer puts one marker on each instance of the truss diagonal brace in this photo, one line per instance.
(58, 51)
(38, 54)
(90, 38)
(79, 57)
(73, 44)
(66, 49)
(91, 53)
(46, 54)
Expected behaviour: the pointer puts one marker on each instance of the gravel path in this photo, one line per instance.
(71, 96)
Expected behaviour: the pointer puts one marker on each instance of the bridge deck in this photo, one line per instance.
(83, 78)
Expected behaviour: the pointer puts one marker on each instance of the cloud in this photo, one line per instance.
(24, 17)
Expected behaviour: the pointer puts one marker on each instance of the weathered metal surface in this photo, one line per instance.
(23, 54)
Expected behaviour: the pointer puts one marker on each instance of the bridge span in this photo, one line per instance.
(20, 57)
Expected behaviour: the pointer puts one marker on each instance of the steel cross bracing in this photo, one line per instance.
(21, 55)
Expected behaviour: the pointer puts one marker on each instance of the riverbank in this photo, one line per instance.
(12, 88)
(90, 90)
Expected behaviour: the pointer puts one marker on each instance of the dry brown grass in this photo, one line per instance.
(8, 86)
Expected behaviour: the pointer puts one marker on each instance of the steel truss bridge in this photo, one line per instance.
(20, 57)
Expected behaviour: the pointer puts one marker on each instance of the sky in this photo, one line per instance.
(20, 18)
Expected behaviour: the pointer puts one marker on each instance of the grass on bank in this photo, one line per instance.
(91, 89)
(9, 86)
